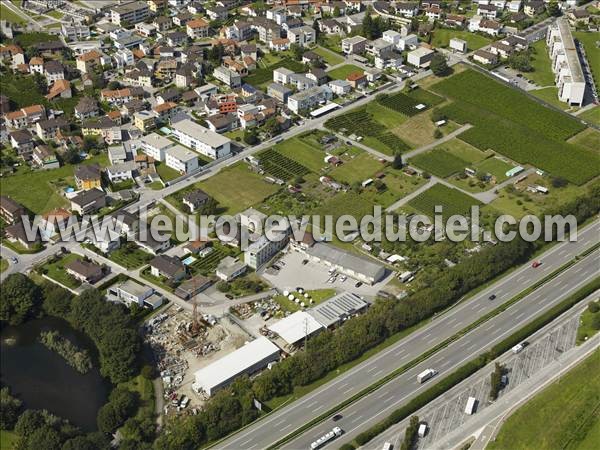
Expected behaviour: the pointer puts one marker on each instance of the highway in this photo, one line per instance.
(282, 422)
(376, 406)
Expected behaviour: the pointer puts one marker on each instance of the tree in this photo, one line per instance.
(559, 182)
(336, 11)
(113, 85)
(72, 156)
(553, 8)
(397, 162)
(250, 137)
(437, 115)
(29, 421)
(20, 299)
(44, 437)
(9, 409)
(595, 322)
(410, 435)
(297, 51)
(593, 307)
(437, 133)
(439, 65)
(223, 286)
(272, 126)
(496, 381)
(520, 61)
(368, 27)
(108, 419)
(315, 27)
(40, 82)
(91, 441)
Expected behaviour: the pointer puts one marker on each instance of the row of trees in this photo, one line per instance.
(410, 435)
(496, 381)
(80, 360)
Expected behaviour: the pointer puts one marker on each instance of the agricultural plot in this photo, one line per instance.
(345, 203)
(281, 166)
(302, 152)
(403, 104)
(452, 200)
(263, 76)
(358, 169)
(439, 162)
(425, 96)
(510, 123)
(207, 264)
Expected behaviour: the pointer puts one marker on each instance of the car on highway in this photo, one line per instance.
(387, 446)
(492, 297)
(536, 264)
(14, 260)
(337, 417)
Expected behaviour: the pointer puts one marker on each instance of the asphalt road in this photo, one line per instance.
(281, 423)
(376, 406)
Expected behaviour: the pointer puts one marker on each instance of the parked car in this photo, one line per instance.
(358, 284)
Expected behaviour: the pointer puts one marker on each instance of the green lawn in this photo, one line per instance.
(42, 192)
(441, 38)
(144, 388)
(540, 61)
(130, 256)
(237, 188)
(550, 96)
(56, 14)
(589, 138)
(463, 150)
(330, 58)
(592, 115)
(3, 265)
(358, 169)
(300, 151)
(28, 39)
(591, 50)
(496, 167)
(343, 71)
(263, 76)
(56, 271)
(346, 203)
(8, 15)
(586, 330)
(165, 172)
(8, 439)
(560, 416)
(439, 162)
(21, 90)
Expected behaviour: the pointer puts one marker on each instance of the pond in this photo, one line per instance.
(43, 379)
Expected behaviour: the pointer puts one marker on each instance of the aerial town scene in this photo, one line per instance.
(299, 224)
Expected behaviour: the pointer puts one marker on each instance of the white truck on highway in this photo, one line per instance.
(426, 375)
(422, 431)
(330, 436)
(471, 403)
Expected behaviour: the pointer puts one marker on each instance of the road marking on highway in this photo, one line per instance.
(351, 414)
(371, 369)
(519, 316)
(427, 335)
(312, 404)
(280, 422)
(357, 419)
(378, 373)
(343, 386)
(286, 427)
(347, 390)
(319, 407)
(399, 352)
(245, 442)
(451, 321)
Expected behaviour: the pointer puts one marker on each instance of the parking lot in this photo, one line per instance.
(516, 78)
(447, 413)
(313, 275)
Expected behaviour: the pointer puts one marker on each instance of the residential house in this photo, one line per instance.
(75, 31)
(221, 123)
(230, 268)
(147, 242)
(60, 89)
(22, 142)
(16, 233)
(330, 26)
(144, 120)
(130, 13)
(379, 47)
(25, 116)
(309, 98)
(169, 267)
(216, 12)
(302, 36)
(89, 61)
(195, 199)
(124, 58)
(485, 57)
(120, 96)
(88, 202)
(501, 49)
(454, 21)
(47, 129)
(279, 44)
(279, 92)
(277, 14)
(354, 45)
(10, 210)
(318, 75)
(121, 171)
(408, 41)
(131, 292)
(162, 23)
(433, 13)
(137, 77)
(420, 57)
(407, 9)
(340, 87)
(155, 145)
(282, 75)
(301, 82)
(534, 7)
(487, 11)
(197, 29)
(145, 29)
(184, 77)
(44, 158)
(104, 127)
(227, 76)
(53, 71)
(84, 271)
(358, 80)
(86, 108)
(88, 176)
(36, 65)
(177, 38)
(117, 154)
(54, 221)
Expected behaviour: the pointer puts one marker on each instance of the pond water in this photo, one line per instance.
(43, 379)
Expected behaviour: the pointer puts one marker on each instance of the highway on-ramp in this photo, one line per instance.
(280, 423)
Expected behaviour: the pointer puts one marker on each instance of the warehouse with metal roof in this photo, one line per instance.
(248, 359)
(295, 327)
(338, 308)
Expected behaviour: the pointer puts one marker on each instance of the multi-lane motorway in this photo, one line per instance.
(282, 422)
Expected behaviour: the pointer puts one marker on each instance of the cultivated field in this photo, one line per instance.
(452, 200)
(510, 123)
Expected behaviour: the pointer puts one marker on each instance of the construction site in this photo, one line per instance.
(184, 342)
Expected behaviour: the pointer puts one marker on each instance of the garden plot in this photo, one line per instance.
(452, 200)
(281, 166)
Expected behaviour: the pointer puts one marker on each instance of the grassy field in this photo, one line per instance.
(43, 186)
(571, 407)
(262, 77)
(3, 265)
(346, 203)
(343, 71)
(586, 330)
(452, 200)
(330, 58)
(28, 39)
(512, 124)
(397, 184)
(550, 96)
(358, 169)
(591, 50)
(130, 256)
(57, 271)
(8, 439)
(540, 61)
(418, 130)
(8, 15)
(237, 188)
(589, 138)
(165, 172)
(591, 115)
(462, 150)
(439, 162)
(441, 38)
(496, 167)
(303, 153)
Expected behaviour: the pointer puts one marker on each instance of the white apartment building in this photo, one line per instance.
(565, 63)
(227, 76)
(302, 36)
(309, 98)
(181, 159)
(263, 250)
(155, 145)
(201, 139)
(354, 45)
(132, 12)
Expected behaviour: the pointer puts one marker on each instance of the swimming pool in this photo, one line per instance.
(189, 260)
